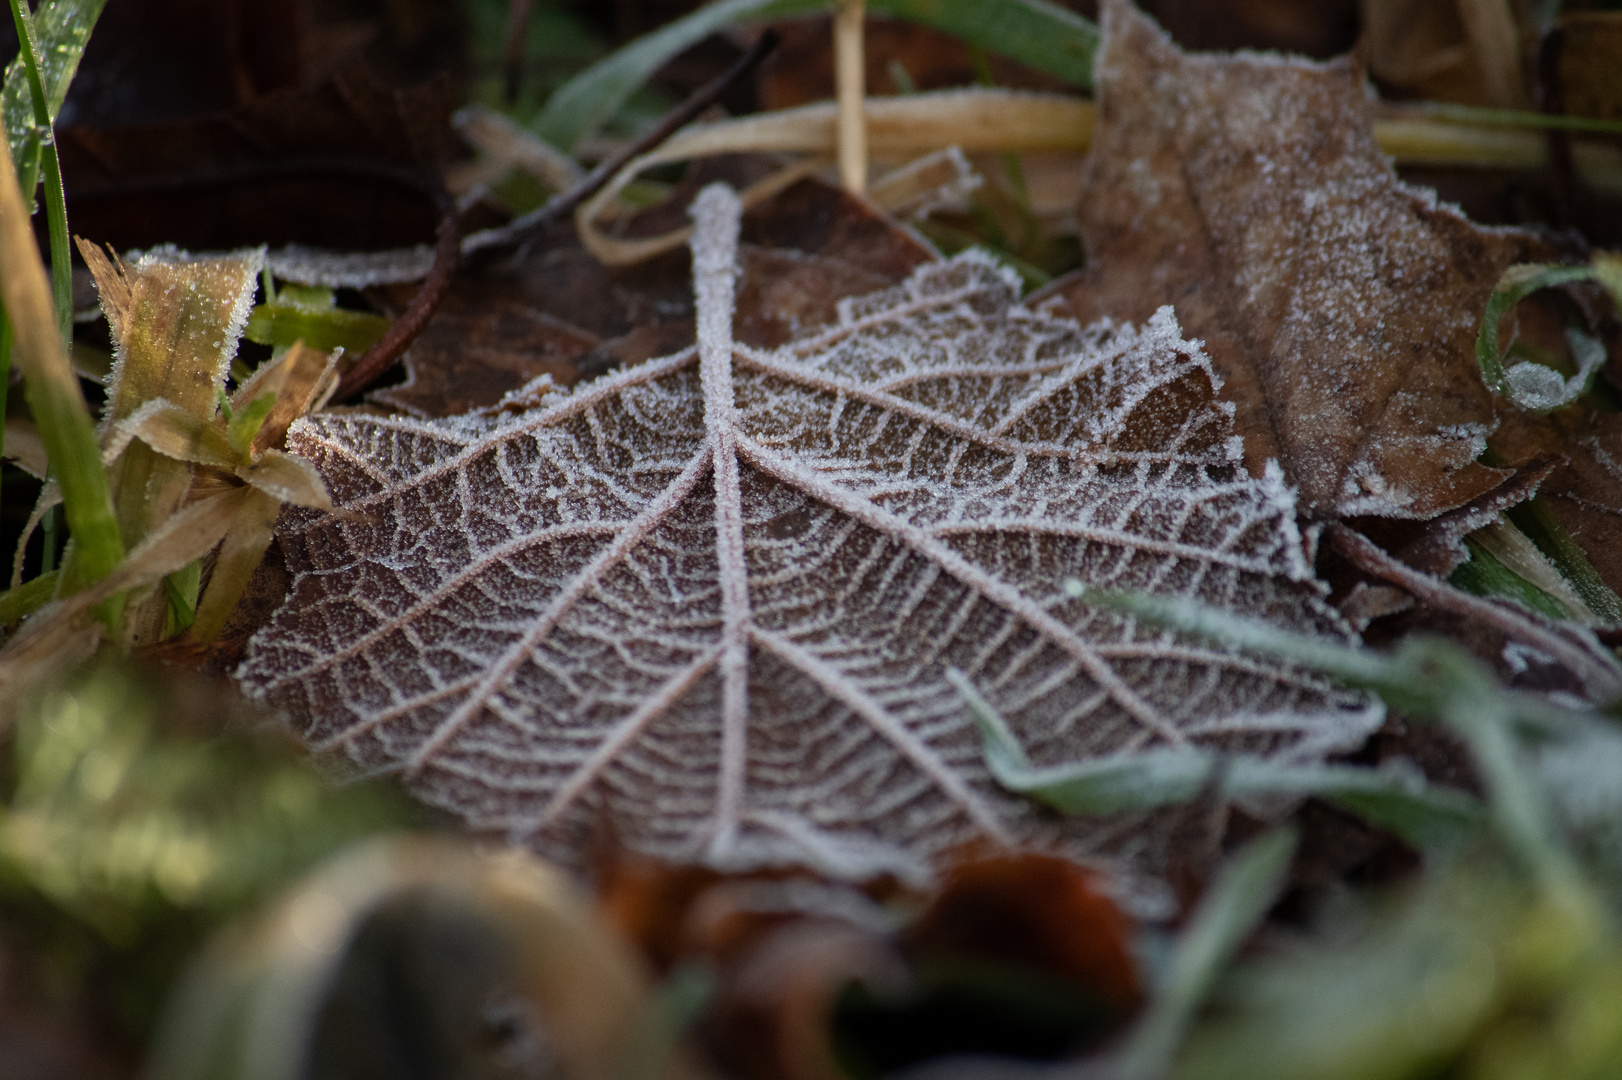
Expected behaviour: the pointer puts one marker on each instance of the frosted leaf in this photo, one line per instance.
(709, 602)
(1339, 303)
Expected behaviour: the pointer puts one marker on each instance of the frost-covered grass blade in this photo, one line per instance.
(1235, 902)
(1394, 798)
(1426, 678)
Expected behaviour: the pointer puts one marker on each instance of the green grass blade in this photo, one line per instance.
(1484, 575)
(585, 103)
(1038, 34)
(1537, 521)
(1517, 284)
(61, 31)
(47, 86)
(1353, 666)
(1034, 32)
(1395, 797)
(26, 598)
(334, 328)
(54, 396)
(1426, 677)
(1234, 904)
(1502, 118)
(1391, 797)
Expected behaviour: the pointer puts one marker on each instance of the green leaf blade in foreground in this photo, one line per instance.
(1036, 33)
(1244, 889)
(1392, 797)
(62, 29)
(325, 330)
(54, 396)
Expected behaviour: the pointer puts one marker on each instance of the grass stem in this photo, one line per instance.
(850, 86)
(56, 206)
(54, 395)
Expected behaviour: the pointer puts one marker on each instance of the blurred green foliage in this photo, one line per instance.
(140, 810)
(1470, 974)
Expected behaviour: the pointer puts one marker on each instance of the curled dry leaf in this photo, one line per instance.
(1584, 490)
(713, 599)
(1339, 303)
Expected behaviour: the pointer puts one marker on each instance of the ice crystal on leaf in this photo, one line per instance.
(709, 602)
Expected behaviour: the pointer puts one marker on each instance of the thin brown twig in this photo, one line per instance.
(404, 330)
(452, 248)
(522, 228)
(1600, 679)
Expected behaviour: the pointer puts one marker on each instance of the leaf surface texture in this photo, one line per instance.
(710, 602)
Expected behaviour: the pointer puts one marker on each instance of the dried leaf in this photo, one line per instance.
(713, 599)
(300, 381)
(287, 478)
(177, 320)
(240, 553)
(1338, 304)
(474, 352)
(176, 434)
(1584, 492)
(24, 448)
(1038, 912)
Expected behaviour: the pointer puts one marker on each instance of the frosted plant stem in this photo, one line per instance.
(717, 215)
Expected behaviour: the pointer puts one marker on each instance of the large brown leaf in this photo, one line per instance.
(711, 601)
(1339, 304)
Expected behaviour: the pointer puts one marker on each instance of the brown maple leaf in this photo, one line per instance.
(714, 599)
(1339, 304)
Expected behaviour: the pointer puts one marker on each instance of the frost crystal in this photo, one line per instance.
(708, 603)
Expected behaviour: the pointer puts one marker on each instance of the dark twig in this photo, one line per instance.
(452, 248)
(560, 205)
(404, 330)
(517, 35)
(1552, 100)
(1597, 673)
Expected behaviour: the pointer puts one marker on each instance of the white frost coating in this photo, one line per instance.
(350, 269)
(1533, 386)
(249, 261)
(708, 603)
